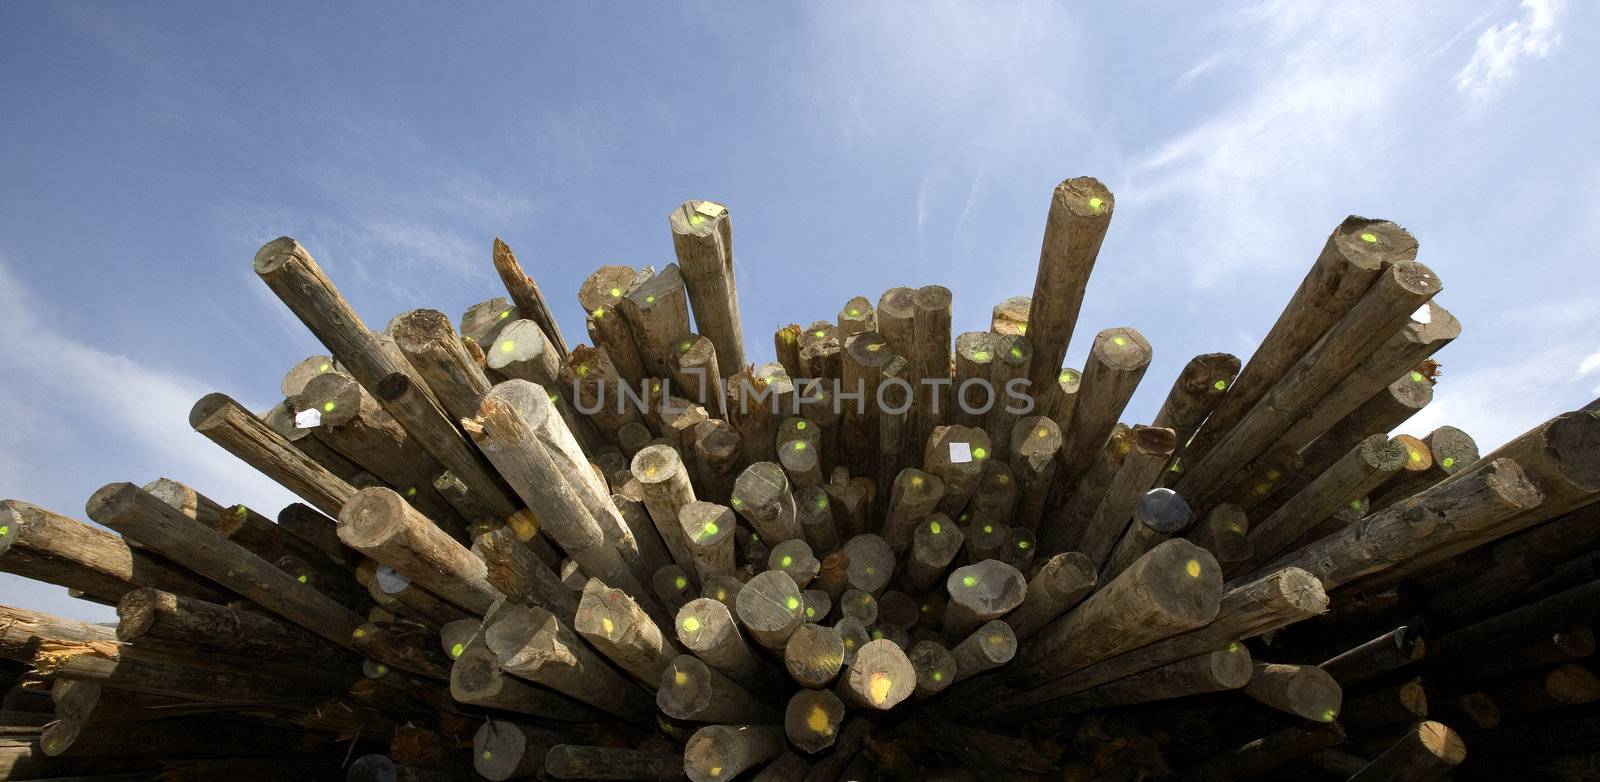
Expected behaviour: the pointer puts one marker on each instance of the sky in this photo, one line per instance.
(148, 150)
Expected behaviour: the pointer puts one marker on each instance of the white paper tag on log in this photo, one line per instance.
(1423, 314)
(711, 209)
(960, 453)
(308, 418)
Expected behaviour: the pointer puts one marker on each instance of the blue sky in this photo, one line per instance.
(146, 152)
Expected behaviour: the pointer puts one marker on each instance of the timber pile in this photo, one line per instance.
(499, 572)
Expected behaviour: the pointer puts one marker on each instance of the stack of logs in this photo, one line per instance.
(648, 558)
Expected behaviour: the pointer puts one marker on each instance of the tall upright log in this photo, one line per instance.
(702, 238)
(1080, 213)
(526, 295)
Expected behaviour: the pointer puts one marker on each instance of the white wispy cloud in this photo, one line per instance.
(1589, 365)
(1320, 91)
(70, 401)
(1502, 48)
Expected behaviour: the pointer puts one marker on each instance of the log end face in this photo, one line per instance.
(1232, 666)
(1122, 348)
(1372, 244)
(137, 610)
(210, 411)
(274, 255)
(418, 330)
(1085, 197)
(1573, 442)
(657, 464)
(374, 517)
(11, 521)
(111, 503)
(1301, 589)
(1444, 743)
(1185, 580)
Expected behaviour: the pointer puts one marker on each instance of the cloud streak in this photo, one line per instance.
(1501, 50)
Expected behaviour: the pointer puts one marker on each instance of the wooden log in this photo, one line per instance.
(814, 655)
(1360, 471)
(404, 647)
(1161, 514)
(1429, 329)
(801, 459)
(761, 495)
(1011, 316)
(141, 516)
(1267, 753)
(295, 379)
(814, 513)
(45, 546)
(850, 497)
(1342, 272)
(617, 627)
(691, 690)
(812, 720)
(668, 495)
(853, 634)
(593, 383)
(1560, 458)
(705, 627)
(707, 528)
(527, 297)
(861, 367)
(1452, 450)
(930, 358)
(786, 344)
(530, 446)
(981, 592)
(1076, 503)
(515, 570)
(1305, 691)
(601, 296)
(934, 545)
(226, 423)
(23, 631)
(1223, 532)
(695, 371)
(1173, 588)
(433, 348)
(318, 530)
(860, 606)
(522, 351)
(730, 750)
(1229, 668)
(880, 677)
(571, 761)
(1080, 213)
(381, 525)
(476, 678)
(1403, 702)
(794, 558)
(958, 456)
(657, 310)
(502, 749)
(533, 644)
(1438, 517)
(1200, 387)
(987, 648)
(769, 608)
(1117, 361)
(1388, 652)
(1008, 377)
(1059, 585)
(483, 321)
(1557, 687)
(1035, 441)
(936, 668)
(1383, 412)
(1428, 750)
(871, 566)
(1382, 310)
(716, 449)
(1151, 448)
(702, 238)
(671, 586)
(1473, 711)
(153, 615)
(912, 500)
(972, 395)
(294, 276)
(1573, 643)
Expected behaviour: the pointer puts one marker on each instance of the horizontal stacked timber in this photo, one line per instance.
(662, 556)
